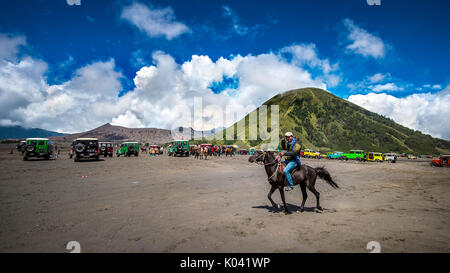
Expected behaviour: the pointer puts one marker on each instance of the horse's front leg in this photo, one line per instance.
(305, 195)
(280, 188)
(269, 195)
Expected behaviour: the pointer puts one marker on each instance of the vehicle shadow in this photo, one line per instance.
(89, 160)
(40, 159)
(291, 208)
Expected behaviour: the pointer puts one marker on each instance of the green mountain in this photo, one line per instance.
(325, 122)
(10, 132)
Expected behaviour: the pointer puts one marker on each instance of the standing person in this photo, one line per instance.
(161, 151)
(292, 158)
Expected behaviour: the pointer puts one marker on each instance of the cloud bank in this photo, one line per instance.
(163, 91)
(426, 112)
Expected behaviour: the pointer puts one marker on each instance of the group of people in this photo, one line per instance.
(207, 150)
(153, 151)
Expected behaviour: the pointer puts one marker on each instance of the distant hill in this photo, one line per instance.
(15, 132)
(325, 122)
(108, 132)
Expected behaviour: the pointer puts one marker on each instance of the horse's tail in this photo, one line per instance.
(325, 175)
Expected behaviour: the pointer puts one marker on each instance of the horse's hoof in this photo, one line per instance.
(320, 208)
(302, 209)
(276, 206)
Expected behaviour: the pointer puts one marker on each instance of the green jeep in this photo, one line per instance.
(128, 149)
(354, 154)
(38, 147)
(179, 147)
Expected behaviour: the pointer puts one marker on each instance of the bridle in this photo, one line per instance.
(263, 155)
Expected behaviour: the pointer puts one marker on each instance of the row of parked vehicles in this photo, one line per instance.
(92, 148)
(359, 155)
(81, 148)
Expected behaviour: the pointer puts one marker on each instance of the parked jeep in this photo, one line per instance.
(105, 149)
(311, 154)
(443, 160)
(335, 155)
(390, 157)
(354, 154)
(21, 146)
(86, 148)
(180, 147)
(374, 156)
(38, 147)
(128, 149)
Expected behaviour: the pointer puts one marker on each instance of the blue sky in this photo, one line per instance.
(396, 52)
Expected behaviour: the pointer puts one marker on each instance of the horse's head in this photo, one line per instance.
(262, 156)
(257, 156)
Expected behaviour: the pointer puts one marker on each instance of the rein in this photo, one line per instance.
(270, 163)
(264, 156)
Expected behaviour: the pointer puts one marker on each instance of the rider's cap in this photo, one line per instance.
(288, 134)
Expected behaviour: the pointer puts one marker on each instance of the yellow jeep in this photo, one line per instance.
(311, 153)
(374, 156)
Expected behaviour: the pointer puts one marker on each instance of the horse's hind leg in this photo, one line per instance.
(305, 195)
(269, 195)
(317, 194)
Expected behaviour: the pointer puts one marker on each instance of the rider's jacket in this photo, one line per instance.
(292, 150)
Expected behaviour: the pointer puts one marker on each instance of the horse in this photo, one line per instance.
(305, 177)
(229, 152)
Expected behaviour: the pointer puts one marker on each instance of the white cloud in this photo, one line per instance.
(437, 86)
(425, 112)
(378, 77)
(307, 55)
(239, 29)
(363, 42)
(9, 45)
(153, 21)
(385, 87)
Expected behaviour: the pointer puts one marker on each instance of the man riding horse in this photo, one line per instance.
(292, 157)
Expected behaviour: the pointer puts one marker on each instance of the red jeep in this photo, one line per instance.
(105, 148)
(442, 161)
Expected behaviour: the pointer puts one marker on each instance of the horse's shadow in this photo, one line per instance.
(291, 208)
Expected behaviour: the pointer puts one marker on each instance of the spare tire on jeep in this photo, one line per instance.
(30, 148)
(79, 148)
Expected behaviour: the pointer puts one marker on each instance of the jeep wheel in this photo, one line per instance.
(25, 158)
(344, 158)
(136, 154)
(110, 155)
